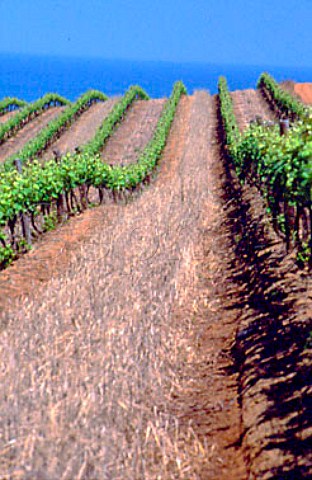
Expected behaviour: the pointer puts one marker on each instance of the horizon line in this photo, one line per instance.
(174, 62)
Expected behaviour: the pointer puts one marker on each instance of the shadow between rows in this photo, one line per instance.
(271, 346)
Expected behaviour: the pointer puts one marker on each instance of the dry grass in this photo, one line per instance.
(86, 398)
(90, 362)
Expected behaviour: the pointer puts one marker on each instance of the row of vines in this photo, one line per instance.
(281, 102)
(56, 127)
(9, 104)
(28, 113)
(39, 189)
(279, 165)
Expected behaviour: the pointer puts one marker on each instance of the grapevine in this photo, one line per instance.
(9, 104)
(44, 185)
(280, 166)
(14, 124)
(49, 134)
(280, 100)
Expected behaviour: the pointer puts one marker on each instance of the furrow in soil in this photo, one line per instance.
(248, 106)
(118, 366)
(6, 116)
(135, 131)
(272, 351)
(82, 130)
(28, 132)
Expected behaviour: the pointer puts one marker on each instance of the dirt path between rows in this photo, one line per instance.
(120, 367)
(134, 133)
(6, 116)
(28, 132)
(137, 129)
(248, 105)
(160, 338)
(272, 348)
(82, 130)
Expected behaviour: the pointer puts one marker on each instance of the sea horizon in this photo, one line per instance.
(29, 76)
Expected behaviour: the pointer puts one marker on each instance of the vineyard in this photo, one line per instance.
(155, 278)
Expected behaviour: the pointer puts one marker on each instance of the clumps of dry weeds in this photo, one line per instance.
(85, 395)
(91, 362)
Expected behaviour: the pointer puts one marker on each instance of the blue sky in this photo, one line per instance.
(245, 32)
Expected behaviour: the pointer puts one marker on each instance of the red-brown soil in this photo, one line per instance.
(29, 131)
(248, 106)
(271, 347)
(6, 116)
(304, 90)
(161, 337)
(140, 275)
(82, 130)
(134, 133)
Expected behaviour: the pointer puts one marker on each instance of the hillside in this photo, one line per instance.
(162, 333)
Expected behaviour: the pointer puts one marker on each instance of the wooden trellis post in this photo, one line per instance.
(24, 217)
(284, 126)
(60, 202)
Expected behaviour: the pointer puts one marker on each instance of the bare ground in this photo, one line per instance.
(161, 338)
(289, 86)
(304, 90)
(134, 133)
(82, 130)
(6, 116)
(272, 348)
(248, 105)
(29, 131)
(101, 383)
(137, 129)
(301, 91)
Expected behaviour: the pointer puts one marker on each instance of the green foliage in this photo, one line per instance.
(8, 104)
(228, 117)
(47, 135)
(280, 166)
(42, 184)
(7, 255)
(49, 222)
(131, 175)
(285, 102)
(115, 116)
(23, 116)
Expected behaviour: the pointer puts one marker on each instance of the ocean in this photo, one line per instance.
(29, 77)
